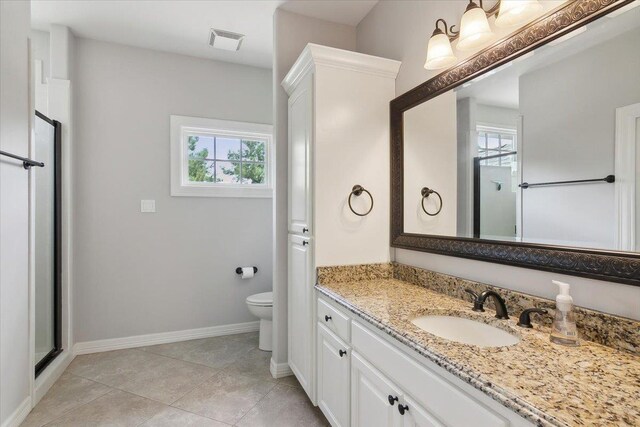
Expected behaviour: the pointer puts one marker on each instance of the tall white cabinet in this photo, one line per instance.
(338, 137)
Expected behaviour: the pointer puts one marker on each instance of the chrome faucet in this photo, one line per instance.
(479, 300)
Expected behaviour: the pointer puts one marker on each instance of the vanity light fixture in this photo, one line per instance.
(439, 50)
(475, 29)
(515, 12)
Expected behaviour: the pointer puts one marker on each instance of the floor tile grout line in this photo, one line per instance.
(82, 404)
(200, 415)
(114, 388)
(180, 359)
(191, 389)
(274, 385)
(257, 403)
(139, 349)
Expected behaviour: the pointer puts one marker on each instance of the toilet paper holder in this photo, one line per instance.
(239, 270)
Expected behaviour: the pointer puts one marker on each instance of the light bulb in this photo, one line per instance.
(439, 52)
(515, 12)
(474, 28)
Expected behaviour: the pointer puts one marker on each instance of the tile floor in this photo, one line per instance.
(212, 382)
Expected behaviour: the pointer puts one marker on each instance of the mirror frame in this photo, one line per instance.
(613, 266)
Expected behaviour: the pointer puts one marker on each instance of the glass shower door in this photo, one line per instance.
(46, 211)
(495, 197)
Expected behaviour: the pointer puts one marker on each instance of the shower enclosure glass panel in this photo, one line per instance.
(46, 208)
(496, 197)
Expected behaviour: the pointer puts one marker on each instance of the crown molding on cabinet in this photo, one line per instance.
(314, 54)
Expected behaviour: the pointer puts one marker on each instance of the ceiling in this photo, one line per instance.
(182, 26)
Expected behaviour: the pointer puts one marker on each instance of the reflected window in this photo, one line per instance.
(496, 141)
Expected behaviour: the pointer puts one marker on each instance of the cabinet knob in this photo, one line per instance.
(392, 400)
(305, 230)
(402, 409)
(327, 318)
(305, 243)
(342, 352)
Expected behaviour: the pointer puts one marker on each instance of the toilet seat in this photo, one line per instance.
(264, 299)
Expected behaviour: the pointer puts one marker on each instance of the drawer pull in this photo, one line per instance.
(327, 317)
(402, 409)
(342, 352)
(305, 230)
(305, 243)
(392, 400)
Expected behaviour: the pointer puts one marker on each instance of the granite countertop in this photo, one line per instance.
(548, 384)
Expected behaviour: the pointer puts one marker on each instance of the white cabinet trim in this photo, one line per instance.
(314, 54)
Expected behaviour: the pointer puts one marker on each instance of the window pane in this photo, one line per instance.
(507, 142)
(253, 173)
(482, 139)
(228, 172)
(200, 147)
(253, 151)
(200, 170)
(227, 149)
(493, 141)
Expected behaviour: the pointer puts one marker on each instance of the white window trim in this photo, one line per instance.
(491, 128)
(180, 186)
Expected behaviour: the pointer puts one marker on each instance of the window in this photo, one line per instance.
(495, 141)
(216, 158)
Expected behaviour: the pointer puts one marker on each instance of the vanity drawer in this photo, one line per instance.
(435, 394)
(334, 320)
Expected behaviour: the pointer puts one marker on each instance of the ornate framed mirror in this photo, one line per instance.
(528, 152)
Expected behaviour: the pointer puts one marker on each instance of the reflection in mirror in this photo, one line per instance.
(505, 150)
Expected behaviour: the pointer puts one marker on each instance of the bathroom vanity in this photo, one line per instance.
(376, 368)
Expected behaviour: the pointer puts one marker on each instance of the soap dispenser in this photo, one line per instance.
(564, 329)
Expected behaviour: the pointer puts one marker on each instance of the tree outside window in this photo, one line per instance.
(224, 160)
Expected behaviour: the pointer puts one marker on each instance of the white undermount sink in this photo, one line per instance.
(465, 331)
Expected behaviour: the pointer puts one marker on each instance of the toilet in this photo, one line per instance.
(261, 306)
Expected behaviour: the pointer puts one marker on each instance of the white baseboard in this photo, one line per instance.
(51, 374)
(163, 338)
(18, 416)
(279, 370)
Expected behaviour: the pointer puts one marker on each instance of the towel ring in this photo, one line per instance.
(426, 192)
(357, 191)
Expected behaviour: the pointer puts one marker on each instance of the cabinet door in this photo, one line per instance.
(373, 396)
(300, 140)
(416, 416)
(301, 314)
(333, 377)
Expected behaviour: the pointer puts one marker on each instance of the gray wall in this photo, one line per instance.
(15, 364)
(400, 30)
(572, 137)
(292, 32)
(174, 269)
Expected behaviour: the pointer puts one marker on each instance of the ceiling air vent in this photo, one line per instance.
(225, 40)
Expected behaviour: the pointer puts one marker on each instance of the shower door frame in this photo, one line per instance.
(41, 365)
